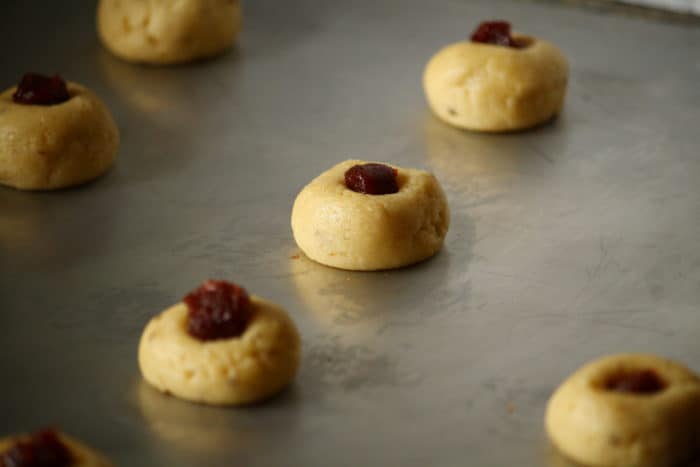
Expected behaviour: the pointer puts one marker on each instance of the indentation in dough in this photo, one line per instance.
(188, 374)
(126, 25)
(152, 40)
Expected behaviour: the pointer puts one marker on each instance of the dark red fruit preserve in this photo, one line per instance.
(218, 310)
(636, 382)
(495, 32)
(372, 179)
(36, 89)
(42, 449)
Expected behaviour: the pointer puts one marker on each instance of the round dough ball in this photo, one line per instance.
(493, 88)
(167, 31)
(233, 371)
(595, 425)
(344, 229)
(83, 455)
(55, 146)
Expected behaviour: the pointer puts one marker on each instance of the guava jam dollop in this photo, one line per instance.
(36, 89)
(218, 310)
(372, 179)
(497, 33)
(636, 382)
(42, 449)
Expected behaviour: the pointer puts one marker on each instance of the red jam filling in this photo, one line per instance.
(36, 89)
(218, 310)
(636, 382)
(497, 33)
(42, 449)
(372, 179)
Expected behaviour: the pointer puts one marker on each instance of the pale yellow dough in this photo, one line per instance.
(168, 31)
(492, 88)
(344, 229)
(55, 146)
(595, 426)
(83, 455)
(233, 371)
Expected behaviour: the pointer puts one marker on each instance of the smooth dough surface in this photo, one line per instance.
(55, 146)
(599, 427)
(492, 88)
(83, 455)
(338, 227)
(240, 370)
(168, 31)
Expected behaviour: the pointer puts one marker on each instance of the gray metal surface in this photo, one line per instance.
(687, 6)
(571, 241)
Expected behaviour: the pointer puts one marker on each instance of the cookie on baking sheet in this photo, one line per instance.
(367, 216)
(220, 346)
(53, 134)
(627, 410)
(48, 448)
(497, 81)
(167, 32)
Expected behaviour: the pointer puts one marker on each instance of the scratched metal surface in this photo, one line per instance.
(568, 242)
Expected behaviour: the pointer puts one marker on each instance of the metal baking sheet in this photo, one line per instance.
(574, 240)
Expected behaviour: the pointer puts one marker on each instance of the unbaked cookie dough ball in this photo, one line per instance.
(54, 134)
(220, 346)
(167, 31)
(497, 81)
(370, 216)
(628, 410)
(52, 447)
